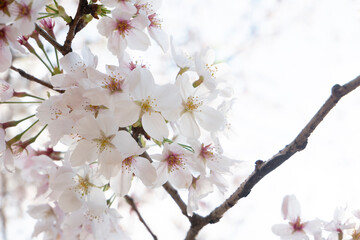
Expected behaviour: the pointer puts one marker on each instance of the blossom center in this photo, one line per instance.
(83, 185)
(24, 10)
(206, 152)
(154, 21)
(297, 225)
(123, 27)
(174, 161)
(4, 7)
(212, 69)
(114, 83)
(192, 103)
(147, 104)
(126, 163)
(104, 142)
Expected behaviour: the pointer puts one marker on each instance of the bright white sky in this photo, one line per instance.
(285, 57)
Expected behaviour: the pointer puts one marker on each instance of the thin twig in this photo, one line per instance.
(131, 202)
(50, 39)
(172, 192)
(83, 9)
(263, 168)
(34, 79)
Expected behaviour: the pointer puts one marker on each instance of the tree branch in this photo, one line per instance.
(50, 39)
(263, 168)
(34, 79)
(73, 25)
(131, 202)
(172, 192)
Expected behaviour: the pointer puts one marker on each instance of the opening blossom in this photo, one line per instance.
(296, 229)
(195, 110)
(124, 30)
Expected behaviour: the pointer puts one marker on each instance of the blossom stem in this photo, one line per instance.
(47, 57)
(18, 137)
(19, 102)
(57, 58)
(15, 123)
(24, 94)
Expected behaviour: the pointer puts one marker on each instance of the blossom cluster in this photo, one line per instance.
(115, 125)
(343, 226)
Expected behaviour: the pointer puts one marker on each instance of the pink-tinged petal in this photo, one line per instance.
(96, 201)
(106, 124)
(168, 104)
(117, 44)
(25, 26)
(188, 126)
(155, 125)
(125, 144)
(290, 208)
(89, 58)
(106, 26)
(144, 170)
(110, 163)
(282, 229)
(313, 227)
(141, 82)
(62, 181)
(121, 183)
(162, 173)
(119, 13)
(140, 22)
(8, 160)
(56, 132)
(210, 119)
(69, 201)
(180, 178)
(138, 40)
(88, 128)
(6, 91)
(5, 57)
(127, 113)
(39, 211)
(70, 60)
(160, 37)
(2, 140)
(85, 151)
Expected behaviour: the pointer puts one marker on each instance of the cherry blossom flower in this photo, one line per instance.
(174, 166)
(338, 226)
(149, 8)
(78, 187)
(99, 139)
(132, 164)
(75, 68)
(8, 35)
(124, 30)
(199, 188)
(49, 220)
(155, 102)
(296, 229)
(205, 68)
(124, 5)
(82, 225)
(195, 110)
(6, 91)
(61, 112)
(210, 156)
(181, 59)
(26, 12)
